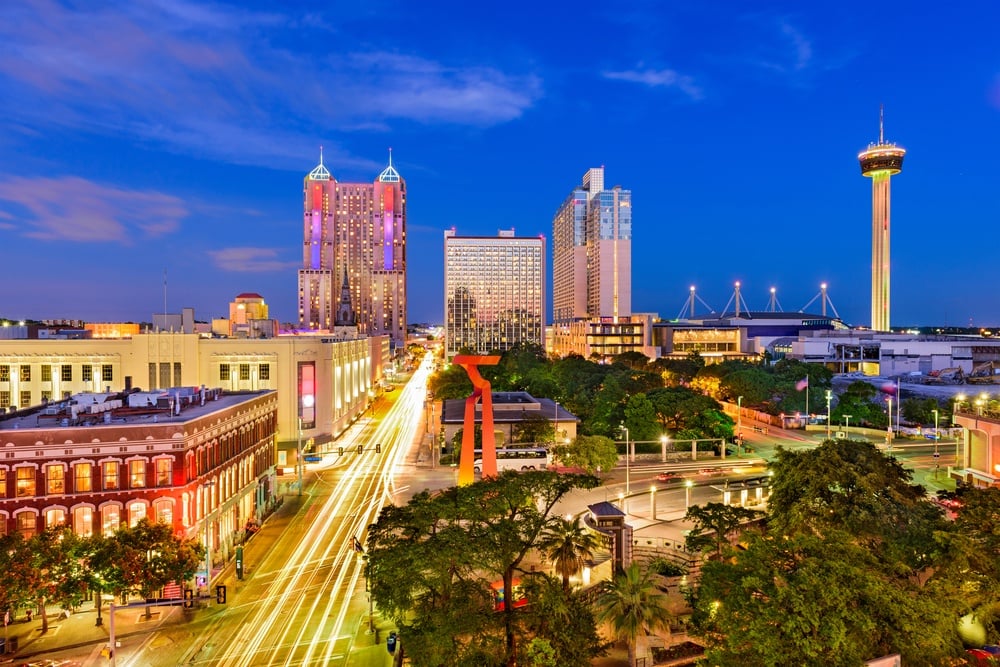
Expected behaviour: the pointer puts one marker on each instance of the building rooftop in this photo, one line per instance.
(174, 405)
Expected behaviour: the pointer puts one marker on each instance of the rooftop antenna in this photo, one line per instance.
(321, 155)
(881, 124)
(390, 156)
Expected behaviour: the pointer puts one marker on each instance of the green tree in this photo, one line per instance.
(633, 605)
(450, 382)
(593, 453)
(569, 546)
(20, 579)
(715, 526)
(640, 418)
(755, 385)
(862, 401)
(430, 564)
(59, 575)
(921, 411)
(563, 619)
(534, 427)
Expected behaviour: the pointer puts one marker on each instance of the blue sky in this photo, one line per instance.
(138, 137)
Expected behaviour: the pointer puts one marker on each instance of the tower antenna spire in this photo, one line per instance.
(390, 156)
(881, 124)
(321, 155)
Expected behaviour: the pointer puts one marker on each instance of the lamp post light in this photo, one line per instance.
(829, 395)
(959, 398)
(621, 501)
(847, 426)
(664, 439)
(652, 501)
(687, 493)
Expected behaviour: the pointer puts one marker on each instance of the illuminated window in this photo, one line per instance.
(55, 479)
(66, 374)
(83, 521)
(136, 513)
(244, 371)
(106, 373)
(3, 524)
(46, 373)
(25, 482)
(110, 519)
(25, 373)
(110, 475)
(87, 373)
(3, 484)
(164, 472)
(4, 399)
(27, 524)
(265, 371)
(223, 372)
(82, 480)
(25, 398)
(55, 517)
(136, 474)
(4, 372)
(163, 511)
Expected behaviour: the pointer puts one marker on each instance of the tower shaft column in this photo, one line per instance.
(880, 251)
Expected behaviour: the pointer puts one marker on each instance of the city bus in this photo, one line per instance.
(510, 458)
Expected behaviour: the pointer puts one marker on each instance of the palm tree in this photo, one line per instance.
(633, 605)
(569, 546)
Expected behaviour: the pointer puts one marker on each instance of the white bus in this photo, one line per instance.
(509, 458)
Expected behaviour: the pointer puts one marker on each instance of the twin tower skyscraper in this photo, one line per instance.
(353, 271)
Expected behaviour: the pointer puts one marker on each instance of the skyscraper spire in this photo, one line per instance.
(320, 173)
(389, 174)
(881, 124)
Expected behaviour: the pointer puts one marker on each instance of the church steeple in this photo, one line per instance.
(345, 313)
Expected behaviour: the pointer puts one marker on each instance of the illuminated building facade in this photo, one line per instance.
(195, 459)
(494, 292)
(354, 238)
(880, 162)
(323, 384)
(592, 252)
(248, 318)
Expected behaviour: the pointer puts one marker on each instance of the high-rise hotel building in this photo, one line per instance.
(354, 254)
(494, 292)
(592, 272)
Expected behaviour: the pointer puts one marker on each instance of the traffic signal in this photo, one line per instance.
(378, 447)
(361, 448)
(239, 563)
(188, 598)
(340, 451)
(220, 594)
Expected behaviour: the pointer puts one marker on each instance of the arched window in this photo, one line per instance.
(83, 521)
(55, 516)
(136, 512)
(111, 518)
(27, 523)
(163, 511)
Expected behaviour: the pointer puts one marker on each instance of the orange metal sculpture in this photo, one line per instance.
(480, 389)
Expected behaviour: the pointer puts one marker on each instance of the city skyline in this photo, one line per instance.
(174, 136)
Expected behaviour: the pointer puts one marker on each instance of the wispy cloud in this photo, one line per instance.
(659, 78)
(783, 47)
(75, 209)
(250, 260)
(203, 78)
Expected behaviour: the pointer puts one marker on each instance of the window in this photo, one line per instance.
(111, 518)
(66, 375)
(3, 484)
(111, 475)
(4, 399)
(87, 372)
(177, 373)
(25, 398)
(163, 511)
(46, 373)
(55, 479)
(106, 373)
(3, 524)
(25, 482)
(265, 371)
(164, 472)
(27, 524)
(223, 372)
(136, 474)
(136, 512)
(244, 371)
(25, 373)
(152, 375)
(4, 372)
(55, 517)
(83, 521)
(46, 396)
(82, 480)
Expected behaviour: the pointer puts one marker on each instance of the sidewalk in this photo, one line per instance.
(81, 639)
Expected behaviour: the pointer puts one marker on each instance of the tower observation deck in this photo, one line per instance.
(880, 162)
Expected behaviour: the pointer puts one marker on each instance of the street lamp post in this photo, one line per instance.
(958, 399)
(937, 436)
(627, 473)
(663, 446)
(739, 426)
(652, 501)
(888, 429)
(298, 456)
(829, 395)
(847, 426)
(687, 493)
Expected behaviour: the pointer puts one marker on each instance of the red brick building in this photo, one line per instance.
(199, 460)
